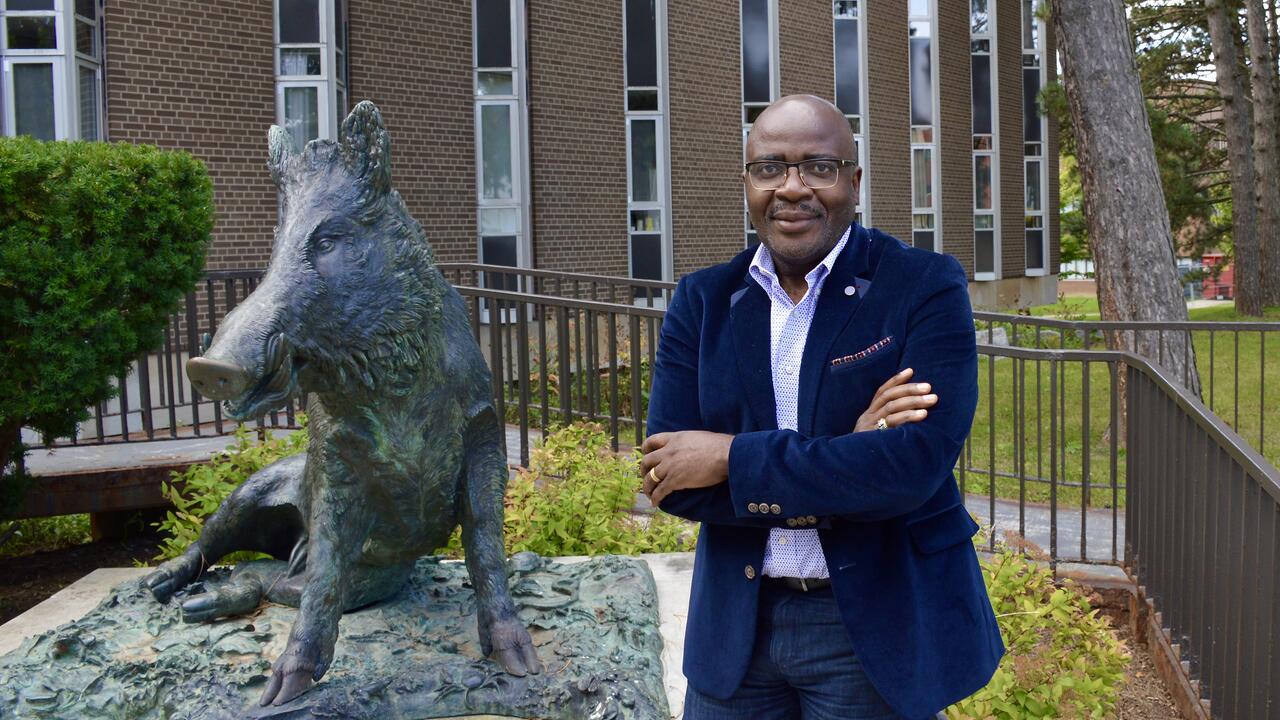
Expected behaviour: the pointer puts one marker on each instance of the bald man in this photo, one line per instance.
(793, 414)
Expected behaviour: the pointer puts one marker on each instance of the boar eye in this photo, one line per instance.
(324, 245)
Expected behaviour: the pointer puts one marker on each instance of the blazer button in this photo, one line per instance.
(792, 522)
(801, 522)
(753, 507)
(776, 509)
(812, 520)
(750, 572)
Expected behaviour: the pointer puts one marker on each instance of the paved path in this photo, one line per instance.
(1039, 527)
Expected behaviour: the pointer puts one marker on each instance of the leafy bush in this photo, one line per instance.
(33, 535)
(1063, 659)
(98, 243)
(198, 491)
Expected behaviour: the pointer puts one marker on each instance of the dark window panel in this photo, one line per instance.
(642, 100)
(921, 81)
(493, 33)
(642, 44)
(756, 71)
(83, 7)
(644, 160)
(32, 33)
(499, 250)
(646, 257)
(1035, 248)
(848, 68)
(299, 21)
(753, 239)
(981, 74)
(1030, 110)
(15, 5)
(984, 255)
(340, 24)
(922, 239)
(33, 100)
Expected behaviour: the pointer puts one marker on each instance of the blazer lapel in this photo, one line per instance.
(835, 311)
(749, 321)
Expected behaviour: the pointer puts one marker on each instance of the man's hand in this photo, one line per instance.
(682, 461)
(898, 402)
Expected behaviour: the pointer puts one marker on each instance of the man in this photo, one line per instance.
(835, 576)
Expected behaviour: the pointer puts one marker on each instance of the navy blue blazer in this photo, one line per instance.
(894, 529)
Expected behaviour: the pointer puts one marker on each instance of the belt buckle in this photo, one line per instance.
(804, 585)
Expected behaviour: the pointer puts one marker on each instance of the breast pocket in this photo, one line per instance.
(873, 355)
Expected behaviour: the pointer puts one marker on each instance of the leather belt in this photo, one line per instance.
(800, 584)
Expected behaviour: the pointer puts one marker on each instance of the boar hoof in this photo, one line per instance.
(291, 675)
(173, 575)
(513, 648)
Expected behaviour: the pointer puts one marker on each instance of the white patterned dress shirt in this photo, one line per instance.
(791, 552)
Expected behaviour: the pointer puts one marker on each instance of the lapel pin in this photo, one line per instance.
(849, 290)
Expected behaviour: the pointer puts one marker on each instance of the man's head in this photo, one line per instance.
(798, 224)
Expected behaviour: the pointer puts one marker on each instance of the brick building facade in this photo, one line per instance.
(598, 137)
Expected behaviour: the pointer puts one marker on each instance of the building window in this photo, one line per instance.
(52, 68)
(759, 33)
(849, 26)
(1035, 132)
(500, 132)
(925, 226)
(986, 216)
(648, 232)
(311, 68)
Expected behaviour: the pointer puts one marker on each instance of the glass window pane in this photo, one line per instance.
(1030, 28)
(32, 33)
(499, 221)
(646, 257)
(984, 251)
(984, 221)
(301, 115)
(644, 161)
(642, 100)
(30, 4)
(642, 44)
(921, 75)
(85, 36)
(982, 182)
(494, 83)
(922, 239)
(88, 103)
(340, 24)
(493, 33)
(1030, 109)
(500, 250)
(756, 71)
(33, 100)
(848, 68)
(978, 17)
(981, 94)
(1035, 249)
(918, 8)
(340, 109)
(922, 177)
(646, 220)
(299, 21)
(845, 8)
(1033, 185)
(84, 8)
(496, 167)
(300, 61)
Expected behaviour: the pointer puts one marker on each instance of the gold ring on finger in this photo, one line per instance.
(653, 477)
(881, 424)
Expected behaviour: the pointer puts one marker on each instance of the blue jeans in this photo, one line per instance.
(802, 666)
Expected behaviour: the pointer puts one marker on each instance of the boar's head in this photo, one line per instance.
(351, 295)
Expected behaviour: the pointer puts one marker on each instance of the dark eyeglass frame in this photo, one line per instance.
(840, 162)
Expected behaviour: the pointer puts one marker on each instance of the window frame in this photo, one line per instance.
(66, 61)
(774, 85)
(1040, 216)
(328, 105)
(861, 137)
(993, 152)
(933, 213)
(662, 203)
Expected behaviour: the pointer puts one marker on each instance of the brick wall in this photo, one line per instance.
(1009, 92)
(955, 132)
(578, 129)
(415, 65)
(888, 169)
(198, 76)
(704, 71)
(805, 37)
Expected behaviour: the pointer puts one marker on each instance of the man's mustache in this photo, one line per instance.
(800, 209)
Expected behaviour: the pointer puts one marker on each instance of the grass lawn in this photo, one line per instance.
(1234, 387)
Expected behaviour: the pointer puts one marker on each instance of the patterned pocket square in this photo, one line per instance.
(879, 344)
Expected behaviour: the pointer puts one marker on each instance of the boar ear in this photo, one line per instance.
(367, 146)
(279, 152)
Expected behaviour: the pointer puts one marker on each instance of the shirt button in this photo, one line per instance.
(849, 290)
(782, 540)
(788, 369)
(750, 572)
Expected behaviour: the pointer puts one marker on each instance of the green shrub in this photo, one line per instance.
(1063, 659)
(98, 244)
(198, 491)
(33, 535)
(574, 500)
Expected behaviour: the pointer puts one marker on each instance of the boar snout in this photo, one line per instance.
(217, 380)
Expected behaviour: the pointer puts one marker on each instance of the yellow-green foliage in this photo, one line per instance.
(1063, 659)
(574, 500)
(198, 491)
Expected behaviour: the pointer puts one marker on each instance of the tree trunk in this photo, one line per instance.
(1238, 120)
(1123, 200)
(1266, 151)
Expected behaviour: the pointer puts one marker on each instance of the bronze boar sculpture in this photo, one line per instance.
(405, 443)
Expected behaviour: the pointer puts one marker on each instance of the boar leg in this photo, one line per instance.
(341, 520)
(261, 515)
(502, 635)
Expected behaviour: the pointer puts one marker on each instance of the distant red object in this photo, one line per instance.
(1222, 285)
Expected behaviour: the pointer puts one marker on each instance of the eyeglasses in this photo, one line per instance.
(816, 174)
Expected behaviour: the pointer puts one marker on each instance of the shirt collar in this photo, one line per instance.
(762, 268)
